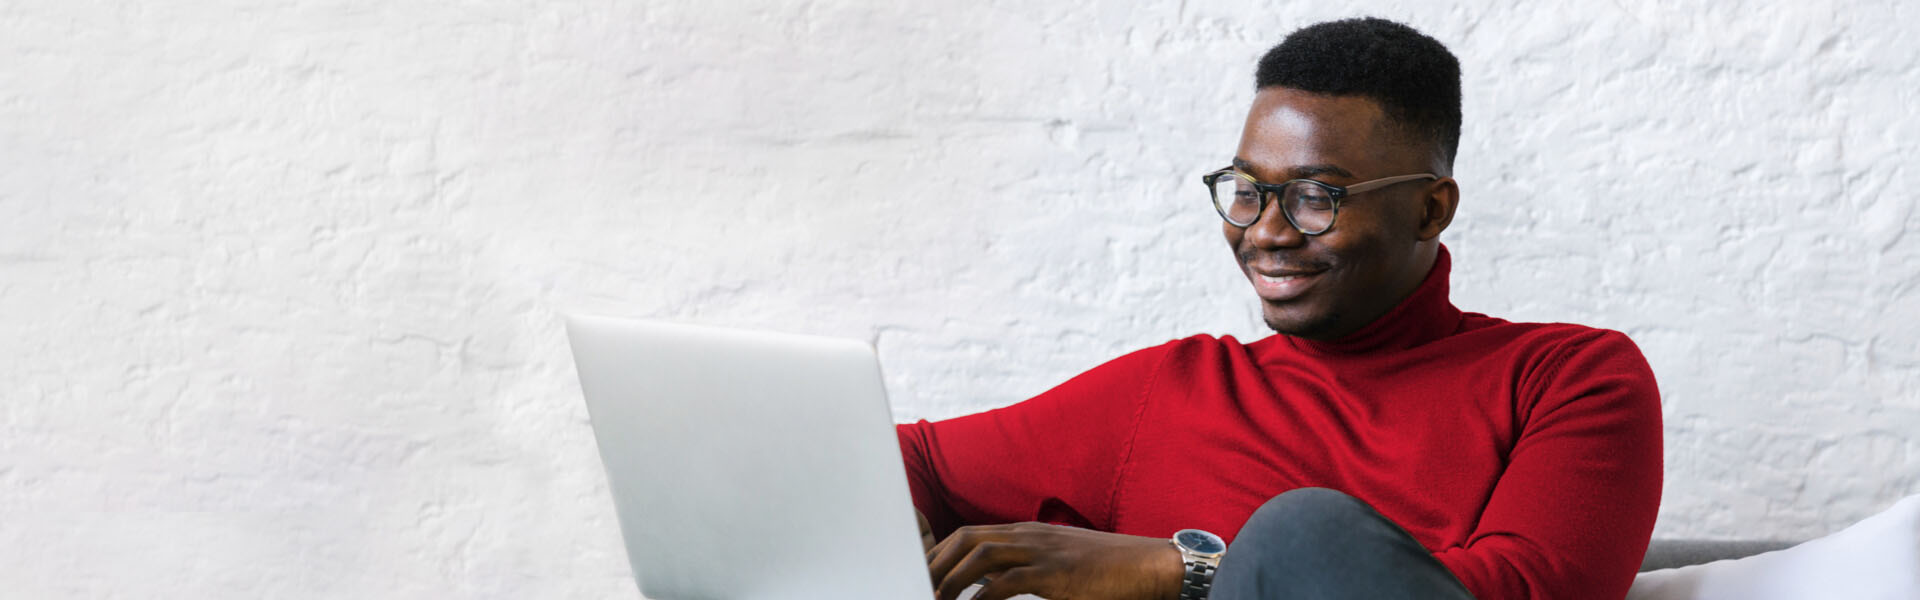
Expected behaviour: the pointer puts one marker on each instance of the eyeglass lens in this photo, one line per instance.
(1309, 206)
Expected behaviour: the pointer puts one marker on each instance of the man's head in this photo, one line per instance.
(1343, 103)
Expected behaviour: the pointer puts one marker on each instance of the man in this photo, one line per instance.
(1383, 445)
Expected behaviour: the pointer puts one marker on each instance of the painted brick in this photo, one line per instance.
(281, 279)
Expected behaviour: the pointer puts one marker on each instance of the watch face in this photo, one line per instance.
(1200, 541)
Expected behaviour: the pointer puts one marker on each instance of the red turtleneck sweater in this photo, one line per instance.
(1525, 456)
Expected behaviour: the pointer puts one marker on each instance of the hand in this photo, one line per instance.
(1055, 562)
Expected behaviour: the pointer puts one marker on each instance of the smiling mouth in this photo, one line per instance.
(1283, 287)
(1271, 280)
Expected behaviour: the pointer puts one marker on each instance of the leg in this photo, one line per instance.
(1319, 543)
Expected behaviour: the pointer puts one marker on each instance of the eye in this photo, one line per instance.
(1311, 197)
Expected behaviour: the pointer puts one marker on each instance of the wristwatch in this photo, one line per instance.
(1201, 551)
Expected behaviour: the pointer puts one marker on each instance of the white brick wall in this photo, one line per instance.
(279, 280)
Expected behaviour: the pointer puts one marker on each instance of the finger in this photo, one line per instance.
(948, 552)
(986, 559)
(1010, 583)
(926, 531)
(937, 561)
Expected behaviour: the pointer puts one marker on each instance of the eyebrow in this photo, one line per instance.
(1297, 172)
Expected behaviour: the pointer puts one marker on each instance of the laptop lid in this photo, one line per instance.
(749, 465)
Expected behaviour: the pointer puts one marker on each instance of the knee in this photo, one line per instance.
(1311, 499)
(1311, 502)
(1305, 514)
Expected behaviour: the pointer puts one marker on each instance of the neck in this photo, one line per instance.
(1416, 273)
(1423, 314)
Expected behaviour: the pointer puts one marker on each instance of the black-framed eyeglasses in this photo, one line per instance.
(1310, 206)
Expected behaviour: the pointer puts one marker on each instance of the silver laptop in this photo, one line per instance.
(749, 465)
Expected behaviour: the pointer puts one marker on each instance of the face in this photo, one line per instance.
(1382, 243)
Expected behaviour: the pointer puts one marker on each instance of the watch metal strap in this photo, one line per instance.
(1198, 581)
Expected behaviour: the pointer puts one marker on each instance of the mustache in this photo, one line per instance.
(1282, 263)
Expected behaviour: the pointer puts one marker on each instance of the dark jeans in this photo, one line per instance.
(1319, 543)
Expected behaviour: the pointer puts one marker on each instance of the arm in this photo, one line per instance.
(1054, 458)
(1572, 513)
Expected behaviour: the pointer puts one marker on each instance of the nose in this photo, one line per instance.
(1273, 230)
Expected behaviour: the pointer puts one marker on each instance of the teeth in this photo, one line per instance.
(1278, 279)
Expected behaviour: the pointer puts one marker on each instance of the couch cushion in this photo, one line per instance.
(1877, 558)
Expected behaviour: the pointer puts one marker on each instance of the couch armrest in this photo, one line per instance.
(1671, 553)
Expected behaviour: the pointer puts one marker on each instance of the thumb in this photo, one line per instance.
(926, 531)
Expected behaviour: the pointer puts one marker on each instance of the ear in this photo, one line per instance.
(1439, 199)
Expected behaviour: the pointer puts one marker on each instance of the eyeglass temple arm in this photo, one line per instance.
(1380, 183)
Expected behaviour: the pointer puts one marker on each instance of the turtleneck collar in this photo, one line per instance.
(1424, 316)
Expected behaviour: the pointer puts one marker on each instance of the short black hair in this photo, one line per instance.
(1413, 77)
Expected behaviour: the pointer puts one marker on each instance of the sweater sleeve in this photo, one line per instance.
(1054, 458)
(1571, 515)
